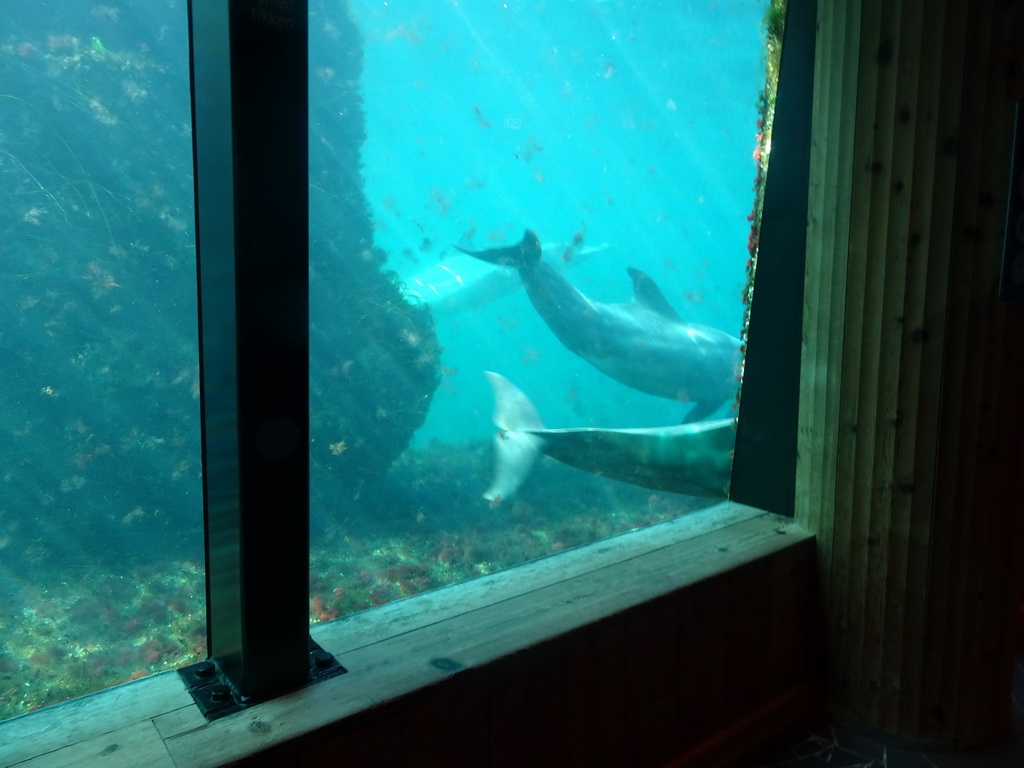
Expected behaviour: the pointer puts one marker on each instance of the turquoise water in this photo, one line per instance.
(100, 469)
(622, 133)
(623, 121)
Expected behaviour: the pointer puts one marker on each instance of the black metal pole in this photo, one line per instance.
(249, 96)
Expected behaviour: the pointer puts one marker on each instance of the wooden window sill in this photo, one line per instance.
(405, 646)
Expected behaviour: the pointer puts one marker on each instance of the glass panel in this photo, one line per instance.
(559, 193)
(100, 490)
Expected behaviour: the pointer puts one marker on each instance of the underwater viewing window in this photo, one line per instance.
(532, 234)
(532, 231)
(101, 537)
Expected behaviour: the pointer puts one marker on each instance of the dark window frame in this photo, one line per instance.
(764, 469)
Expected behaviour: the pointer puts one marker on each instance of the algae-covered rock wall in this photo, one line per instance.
(374, 357)
(99, 375)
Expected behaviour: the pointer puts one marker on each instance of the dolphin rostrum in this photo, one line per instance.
(692, 459)
(642, 343)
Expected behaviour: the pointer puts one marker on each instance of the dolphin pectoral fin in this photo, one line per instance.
(523, 254)
(647, 294)
(515, 451)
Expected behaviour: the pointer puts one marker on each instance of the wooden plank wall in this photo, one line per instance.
(704, 673)
(911, 418)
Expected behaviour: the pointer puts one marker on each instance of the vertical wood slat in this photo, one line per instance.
(794, 643)
(704, 698)
(824, 294)
(751, 597)
(652, 683)
(999, 366)
(864, 396)
(964, 343)
(594, 679)
(934, 218)
(426, 725)
(828, 243)
(524, 724)
(901, 415)
(922, 328)
(886, 551)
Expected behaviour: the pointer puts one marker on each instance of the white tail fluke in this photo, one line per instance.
(515, 451)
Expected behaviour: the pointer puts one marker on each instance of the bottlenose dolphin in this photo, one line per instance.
(642, 343)
(693, 459)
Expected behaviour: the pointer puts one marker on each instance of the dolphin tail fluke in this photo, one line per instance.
(523, 254)
(515, 450)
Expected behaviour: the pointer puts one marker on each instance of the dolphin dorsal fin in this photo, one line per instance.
(647, 294)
